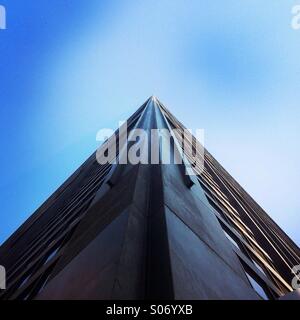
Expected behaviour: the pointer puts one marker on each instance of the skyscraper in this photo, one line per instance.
(150, 231)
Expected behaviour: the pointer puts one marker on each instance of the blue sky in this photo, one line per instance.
(71, 67)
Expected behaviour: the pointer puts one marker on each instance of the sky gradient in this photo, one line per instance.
(71, 67)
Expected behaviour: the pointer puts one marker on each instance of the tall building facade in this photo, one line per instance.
(150, 231)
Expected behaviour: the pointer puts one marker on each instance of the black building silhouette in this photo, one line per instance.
(149, 231)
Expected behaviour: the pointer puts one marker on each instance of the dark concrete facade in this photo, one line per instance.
(139, 232)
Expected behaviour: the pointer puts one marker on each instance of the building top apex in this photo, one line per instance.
(154, 99)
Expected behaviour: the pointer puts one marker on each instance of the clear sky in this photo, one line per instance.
(71, 67)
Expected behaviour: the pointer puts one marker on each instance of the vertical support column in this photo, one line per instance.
(159, 283)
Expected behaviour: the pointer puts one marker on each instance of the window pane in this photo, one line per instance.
(257, 287)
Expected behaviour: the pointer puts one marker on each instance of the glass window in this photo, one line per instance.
(52, 254)
(256, 283)
(231, 240)
(257, 287)
(25, 281)
(259, 267)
